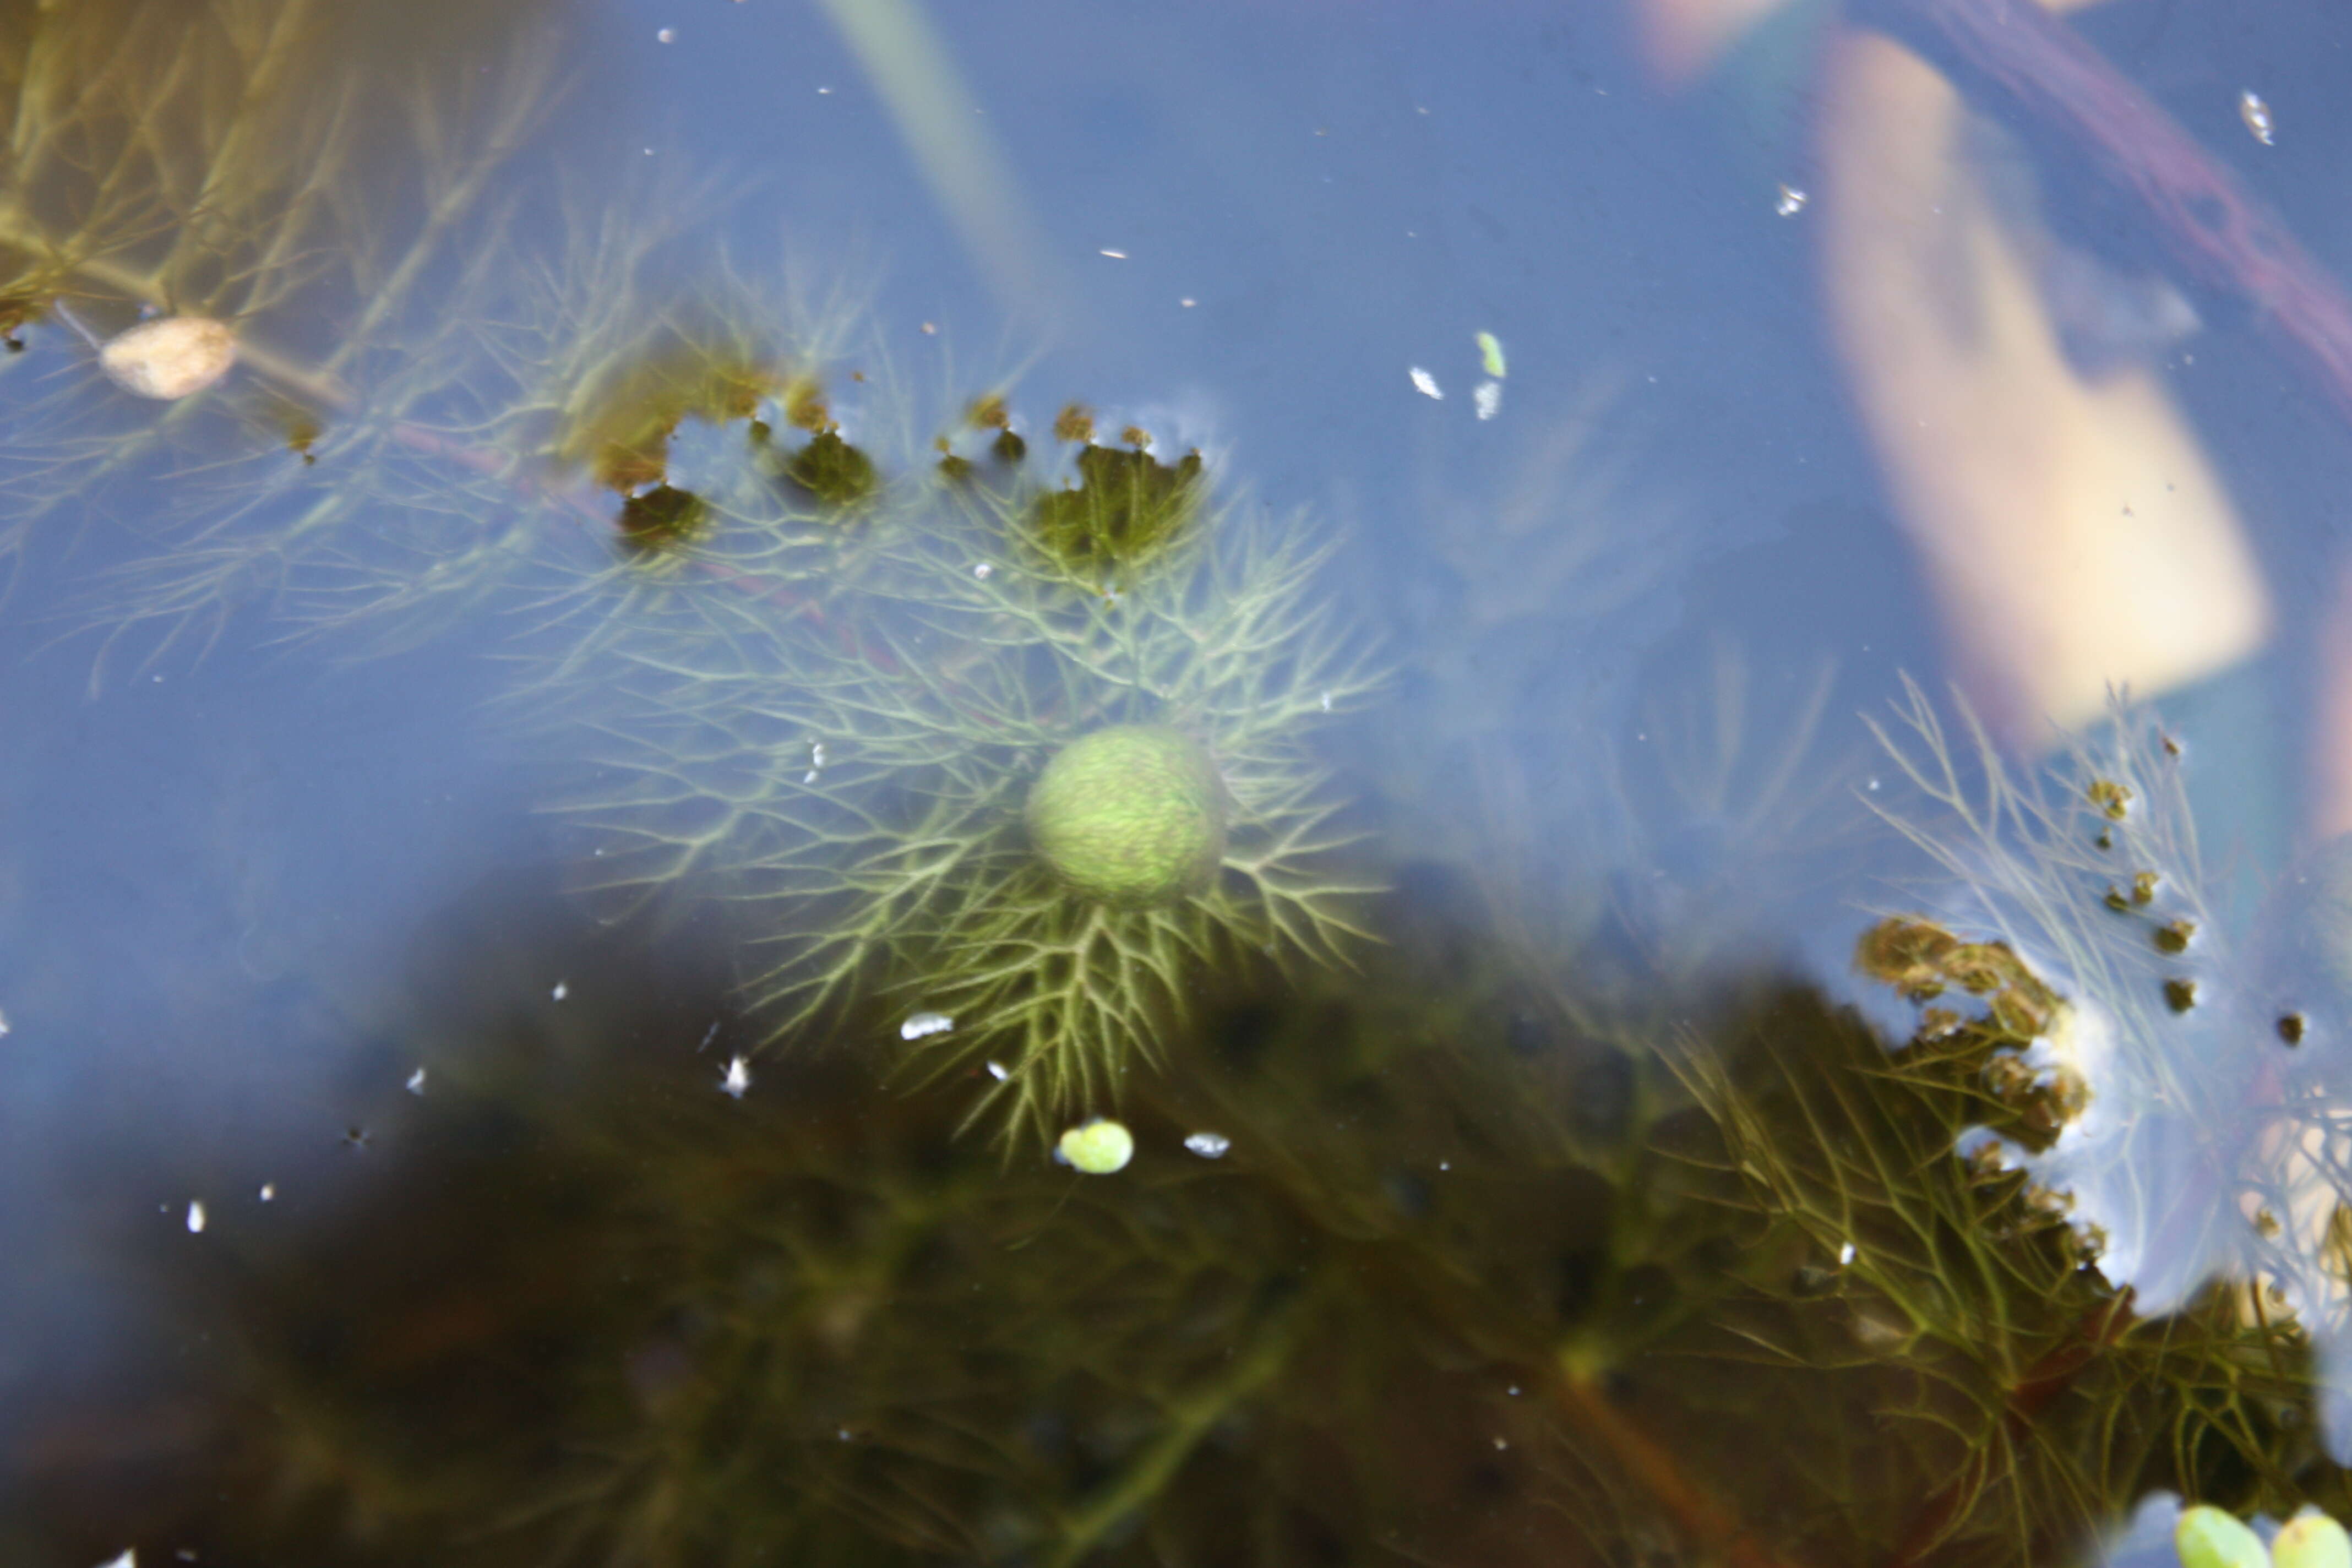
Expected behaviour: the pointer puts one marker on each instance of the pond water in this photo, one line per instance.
(879, 781)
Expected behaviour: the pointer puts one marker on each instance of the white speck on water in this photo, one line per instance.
(1487, 399)
(667, 36)
(270, 1192)
(195, 1217)
(1845, 1254)
(1513, 1391)
(1326, 702)
(921, 1025)
(416, 1081)
(1872, 785)
(1187, 301)
(1209, 1145)
(1445, 1164)
(823, 90)
(1502, 1443)
(563, 989)
(708, 1034)
(4, 1023)
(998, 1071)
(1425, 384)
(1790, 202)
(2257, 116)
(1115, 255)
(809, 777)
(737, 1079)
(127, 1560)
(983, 571)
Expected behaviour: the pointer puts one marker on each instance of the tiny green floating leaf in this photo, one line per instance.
(1099, 1147)
(2312, 1541)
(1490, 356)
(2209, 1538)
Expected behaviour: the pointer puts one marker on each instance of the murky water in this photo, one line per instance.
(869, 781)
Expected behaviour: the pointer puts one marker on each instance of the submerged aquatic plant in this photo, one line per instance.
(276, 182)
(965, 772)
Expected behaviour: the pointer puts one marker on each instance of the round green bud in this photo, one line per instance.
(2208, 1537)
(1097, 1147)
(1133, 814)
(2312, 1541)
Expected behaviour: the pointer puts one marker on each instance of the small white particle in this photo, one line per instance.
(997, 1071)
(1187, 301)
(563, 989)
(2257, 116)
(1326, 702)
(127, 1560)
(1445, 1164)
(816, 753)
(416, 1081)
(1513, 1391)
(4, 1023)
(1845, 1254)
(649, 152)
(1790, 202)
(809, 777)
(1872, 785)
(1115, 255)
(983, 571)
(667, 36)
(920, 1024)
(1487, 399)
(1209, 1145)
(195, 1217)
(1425, 384)
(842, 1432)
(737, 1079)
(270, 1192)
(1502, 1443)
(823, 90)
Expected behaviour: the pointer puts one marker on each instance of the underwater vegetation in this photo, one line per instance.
(293, 176)
(1023, 755)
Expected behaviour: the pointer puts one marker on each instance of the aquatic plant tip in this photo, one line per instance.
(2206, 1537)
(170, 358)
(1132, 814)
(2312, 1541)
(1097, 1147)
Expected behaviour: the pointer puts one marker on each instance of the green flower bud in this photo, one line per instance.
(2209, 1538)
(1133, 816)
(2312, 1541)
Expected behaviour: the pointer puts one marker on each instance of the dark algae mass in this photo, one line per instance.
(658, 909)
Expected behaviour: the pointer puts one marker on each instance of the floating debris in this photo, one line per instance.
(2209, 1538)
(1209, 1145)
(2257, 116)
(1490, 356)
(1487, 399)
(563, 989)
(1097, 1147)
(170, 358)
(2312, 1540)
(921, 1026)
(416, 1081)
(195, 1217)
(1789, 201)
(268, 1191)
(1425, 384)
(737, 1079)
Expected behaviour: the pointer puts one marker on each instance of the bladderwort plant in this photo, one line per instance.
(1030, 756)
